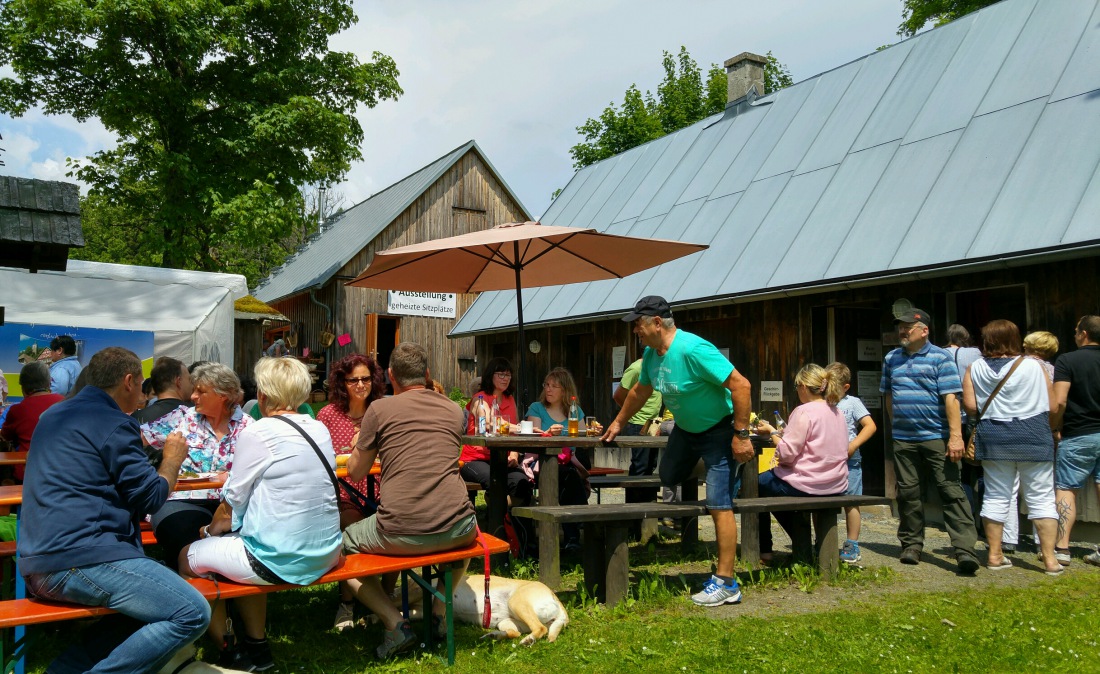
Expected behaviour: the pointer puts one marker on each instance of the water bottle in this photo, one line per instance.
(482, 422)
(574, 419)
(779, 423)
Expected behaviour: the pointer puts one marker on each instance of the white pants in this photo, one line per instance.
(1035, 480)
(225, 556)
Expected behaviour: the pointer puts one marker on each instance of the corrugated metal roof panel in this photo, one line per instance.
(903, 174)
(966, 80)
(1040, 55)
(1041, 195)
(1081, 74)
(671, 148)
(914, 81)
(597, 174)
(568, 193)
(875, 73)
(809, 255)
(885, 220)
(971, 181)
(827, 92)
(595, 214)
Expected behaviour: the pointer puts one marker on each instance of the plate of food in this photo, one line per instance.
(191, 476)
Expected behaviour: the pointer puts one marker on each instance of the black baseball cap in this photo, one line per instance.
(651, 305)
(915, 315)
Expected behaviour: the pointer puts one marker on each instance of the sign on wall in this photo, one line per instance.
(771, 391)
(618, 361)
(868, 350)
(867, 382)
(405, 303)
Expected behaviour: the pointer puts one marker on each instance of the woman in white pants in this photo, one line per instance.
(1014, 439)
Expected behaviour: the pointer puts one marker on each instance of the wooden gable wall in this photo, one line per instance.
(468, 197)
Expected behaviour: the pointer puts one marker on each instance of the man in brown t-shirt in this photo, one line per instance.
(417, 436)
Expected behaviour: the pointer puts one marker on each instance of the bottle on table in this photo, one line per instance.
(482, 416)
(574, 418)
(495, 421)
(779, 423)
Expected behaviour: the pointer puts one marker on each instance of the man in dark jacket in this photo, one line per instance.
(87, 486)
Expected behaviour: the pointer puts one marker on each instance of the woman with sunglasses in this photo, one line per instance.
(496, 386)
(354, 383)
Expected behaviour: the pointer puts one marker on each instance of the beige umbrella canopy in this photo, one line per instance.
(516, 256)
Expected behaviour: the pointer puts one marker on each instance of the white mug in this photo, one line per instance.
(527, 427)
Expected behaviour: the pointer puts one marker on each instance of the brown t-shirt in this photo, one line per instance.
(418, 437)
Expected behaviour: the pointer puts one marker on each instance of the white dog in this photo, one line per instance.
(516, 606)
(194, 667)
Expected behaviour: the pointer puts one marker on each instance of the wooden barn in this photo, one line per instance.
(252, 322)
(957, 171)
(458, 193)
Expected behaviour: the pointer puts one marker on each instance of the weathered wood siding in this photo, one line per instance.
(467, 198)
(769, 340)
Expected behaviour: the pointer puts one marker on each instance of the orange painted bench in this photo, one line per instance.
(18, 612)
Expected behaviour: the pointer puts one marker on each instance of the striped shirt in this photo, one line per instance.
(917, 383)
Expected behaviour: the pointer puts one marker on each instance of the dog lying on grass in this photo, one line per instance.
(517, 607)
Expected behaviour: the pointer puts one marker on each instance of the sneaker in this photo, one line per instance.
(1093, 557)
(716, 593)
(910, 555)
(968, 562)
(395, 641)
(345, 616)
(235, 659)
(259, 654)
(849, 554)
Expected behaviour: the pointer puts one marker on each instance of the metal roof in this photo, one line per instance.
(967, 146)
(341, 240)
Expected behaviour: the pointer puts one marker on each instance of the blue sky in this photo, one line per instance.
(519, 77)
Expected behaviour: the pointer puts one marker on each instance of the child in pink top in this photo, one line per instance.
(812, 452)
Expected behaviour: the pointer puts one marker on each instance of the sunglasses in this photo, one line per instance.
(352, 381)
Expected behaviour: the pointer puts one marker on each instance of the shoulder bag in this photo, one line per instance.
(968, 454)
(365, 504)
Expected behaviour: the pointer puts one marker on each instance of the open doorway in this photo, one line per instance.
(383, 334)
(972, 309)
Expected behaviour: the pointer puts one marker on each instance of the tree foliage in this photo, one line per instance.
(916, 14)
(222, 108)
(683, 98)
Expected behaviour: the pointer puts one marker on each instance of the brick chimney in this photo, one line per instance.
(743, 72)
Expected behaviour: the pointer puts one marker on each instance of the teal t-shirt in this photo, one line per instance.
(691, 377)
(537, 409)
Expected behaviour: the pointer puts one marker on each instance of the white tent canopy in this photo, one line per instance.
(190, 313)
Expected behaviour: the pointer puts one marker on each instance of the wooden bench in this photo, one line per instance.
(606, 556)
(20, 612)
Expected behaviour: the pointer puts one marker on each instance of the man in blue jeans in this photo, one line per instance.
(1076, 420)
(88, 485)
(710, 400)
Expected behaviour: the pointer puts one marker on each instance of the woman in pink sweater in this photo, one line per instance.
(812, 452)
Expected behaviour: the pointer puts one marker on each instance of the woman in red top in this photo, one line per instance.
(354, 383)
(496, 385)
(22, 418)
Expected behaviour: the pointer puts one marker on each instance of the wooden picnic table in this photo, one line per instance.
(13, 458)
(548, 448)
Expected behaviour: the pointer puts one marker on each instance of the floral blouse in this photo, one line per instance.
(205, 453)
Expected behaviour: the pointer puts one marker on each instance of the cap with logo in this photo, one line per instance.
(914, 315)
(650, 305)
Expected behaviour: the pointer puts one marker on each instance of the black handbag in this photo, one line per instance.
(364, 503)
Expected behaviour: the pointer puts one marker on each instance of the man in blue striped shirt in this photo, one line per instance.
(923, 395)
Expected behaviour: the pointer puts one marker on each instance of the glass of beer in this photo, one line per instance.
(574, 427)
(591, 426)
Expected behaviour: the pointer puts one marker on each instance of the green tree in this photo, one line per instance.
(222, 109)
(916, 14)
(683, 98)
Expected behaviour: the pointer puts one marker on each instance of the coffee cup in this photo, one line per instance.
(526, 427)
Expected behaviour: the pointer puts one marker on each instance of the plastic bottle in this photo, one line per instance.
(495, 424)
(574, 418)
(482, 421)
(779, 423)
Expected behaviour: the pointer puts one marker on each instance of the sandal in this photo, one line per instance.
(1005, 563)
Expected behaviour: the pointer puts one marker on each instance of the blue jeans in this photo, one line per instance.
(1078, 460)
(770, 485)
(158, 613)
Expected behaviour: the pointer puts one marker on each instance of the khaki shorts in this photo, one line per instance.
(364, 536)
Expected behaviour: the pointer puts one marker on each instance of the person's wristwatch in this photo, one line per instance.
(742, 433)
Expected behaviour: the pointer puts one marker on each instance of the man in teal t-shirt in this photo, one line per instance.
(710, 401)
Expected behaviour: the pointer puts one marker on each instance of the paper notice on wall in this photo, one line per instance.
(868, 350)
(771, 391)
(618, 361)
(867, 382)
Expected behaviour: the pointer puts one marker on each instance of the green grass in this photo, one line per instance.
(1052, 624)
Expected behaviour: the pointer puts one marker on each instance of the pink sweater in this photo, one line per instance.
(813, 453)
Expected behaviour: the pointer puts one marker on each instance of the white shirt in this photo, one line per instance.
(1023, 396)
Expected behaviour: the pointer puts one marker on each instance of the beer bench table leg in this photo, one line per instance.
(689, 526)
(549, 555)
(607, 562)
(827, 543)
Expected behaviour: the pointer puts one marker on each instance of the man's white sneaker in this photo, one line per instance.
(716, 593)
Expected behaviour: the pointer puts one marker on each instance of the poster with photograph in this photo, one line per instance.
(25, 342)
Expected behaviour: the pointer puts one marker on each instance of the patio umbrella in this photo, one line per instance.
(515, 256)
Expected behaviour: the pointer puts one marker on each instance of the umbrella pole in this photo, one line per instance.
(520, 411)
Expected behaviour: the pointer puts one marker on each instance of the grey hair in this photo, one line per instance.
(223, 380)
(35, 376)
(668, 323)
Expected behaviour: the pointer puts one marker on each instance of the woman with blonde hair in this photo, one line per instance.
(812, 452)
